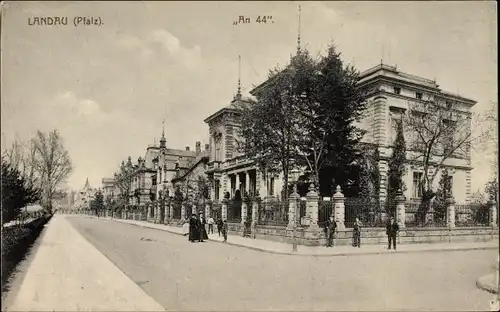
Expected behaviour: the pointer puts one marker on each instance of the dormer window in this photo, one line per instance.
(397, 90)
(419, 95)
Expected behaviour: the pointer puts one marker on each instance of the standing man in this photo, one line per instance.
(392, 229)
(357, 233)
(219, 225)
(330, 229)
(224, 230)
(211, 225)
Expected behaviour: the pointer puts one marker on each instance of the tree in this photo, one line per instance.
(123, 180)
(491, 190)
(444, 192)
(396, 168)
(97, 204)
(269, 126)
(439, 130)
(51, 162)
(15, 192)
(304, 117)
(21, 155)
(329, 104)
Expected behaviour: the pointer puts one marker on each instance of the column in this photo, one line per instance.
(224, 209)
(312, 207)
(247, 182)
(492, 205)
(237, 183)
(339, 208)
(450, 212)
(293, 203)
(400, 209)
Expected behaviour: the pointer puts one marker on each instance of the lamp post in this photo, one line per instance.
(295, 178)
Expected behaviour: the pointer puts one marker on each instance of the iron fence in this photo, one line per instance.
(368, 211)
(325, 210)
(273, 213)
(471, 215)
(216, 210)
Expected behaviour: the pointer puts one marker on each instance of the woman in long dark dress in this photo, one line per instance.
(201, 229)
(193, 229)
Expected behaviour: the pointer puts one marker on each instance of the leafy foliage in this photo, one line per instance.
(304, 117)
(123, 180)
(396, 169)
(444, 192)
(16, 194)
(97, 204)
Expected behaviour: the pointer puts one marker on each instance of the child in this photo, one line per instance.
(224, 230)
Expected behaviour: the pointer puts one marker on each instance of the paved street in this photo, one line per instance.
(212, 276)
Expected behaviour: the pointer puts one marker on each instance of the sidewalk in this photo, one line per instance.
(286, 249)
(69, 274)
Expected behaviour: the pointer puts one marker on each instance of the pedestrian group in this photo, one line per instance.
(330, 227)
(197, 231)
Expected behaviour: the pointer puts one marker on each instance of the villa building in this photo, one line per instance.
(390, 92)
(232, 174)
(84, 196)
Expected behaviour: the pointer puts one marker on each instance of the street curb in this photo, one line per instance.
(343, 254)
(486, 283)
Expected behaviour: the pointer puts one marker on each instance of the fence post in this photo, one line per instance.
(224, 209)
(255, 213)
(492, 205)
(450, 212)
(207, 210)
(339, 208)
(400, 209)
(149, 212)
(312, 207)
(183, 211)
(293, 201)
(244, 211)
(171, 207)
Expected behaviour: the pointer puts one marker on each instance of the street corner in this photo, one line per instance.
(488, 283)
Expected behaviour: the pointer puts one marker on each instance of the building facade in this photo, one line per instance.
(390, 93)
(84, 196)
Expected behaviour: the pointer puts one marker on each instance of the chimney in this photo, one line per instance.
(207, 147)
(198, 146)
(187, 148)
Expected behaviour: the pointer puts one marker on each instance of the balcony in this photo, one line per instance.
(213, 166)
(238, 161)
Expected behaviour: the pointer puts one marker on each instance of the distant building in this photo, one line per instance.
(85, 196)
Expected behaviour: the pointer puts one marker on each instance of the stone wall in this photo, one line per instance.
(370, 236)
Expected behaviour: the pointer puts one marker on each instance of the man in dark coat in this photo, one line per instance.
(330, 229)
(356, 233)
(392, 229)
(193, 229)
(219, 225)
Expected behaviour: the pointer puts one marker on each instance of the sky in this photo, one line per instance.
(107, 88)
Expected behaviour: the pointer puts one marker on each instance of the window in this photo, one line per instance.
(271, 187)
(449, 104)
(217, 189)
(397, 90)
(418, 95)
(449, 127)
(417, 185)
